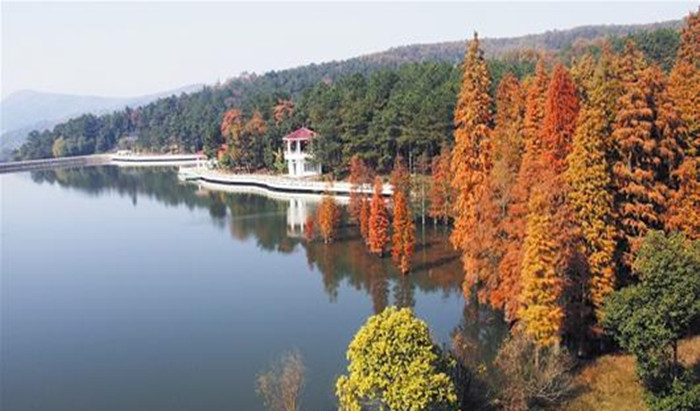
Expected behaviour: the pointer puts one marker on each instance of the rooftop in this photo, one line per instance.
(300, 134)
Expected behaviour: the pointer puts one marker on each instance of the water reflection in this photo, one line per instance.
(265, 310)
(275, 224)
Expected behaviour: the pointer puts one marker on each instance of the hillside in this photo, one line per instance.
(29, 110)
(190, 122)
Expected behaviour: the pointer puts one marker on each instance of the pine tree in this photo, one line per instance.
(471, 154)
(404, 236)
(378, 237)
(589, 181)
(440, 188)
(256, 129)
(507, 293)
(541, 310)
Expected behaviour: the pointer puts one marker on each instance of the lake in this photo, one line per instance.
(126, 289)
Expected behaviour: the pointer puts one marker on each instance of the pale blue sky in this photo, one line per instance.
(125, 49)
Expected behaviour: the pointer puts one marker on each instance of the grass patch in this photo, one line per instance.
(609, 384)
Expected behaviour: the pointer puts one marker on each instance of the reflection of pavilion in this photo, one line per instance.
(297, 213)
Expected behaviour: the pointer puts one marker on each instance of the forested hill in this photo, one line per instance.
(552, 41)
(321, 92)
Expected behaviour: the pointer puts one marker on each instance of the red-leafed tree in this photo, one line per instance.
(378, 235)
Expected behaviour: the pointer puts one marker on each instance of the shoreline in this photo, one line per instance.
(214, 179)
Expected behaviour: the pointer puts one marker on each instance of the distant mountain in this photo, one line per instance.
(28, 110)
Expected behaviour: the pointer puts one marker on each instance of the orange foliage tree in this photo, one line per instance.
(507, 292)
(378, 236)
(440, 188)
(358, 178)
(589, 180)
(490, 242)
(328, 216)
(404, 236)
(309, 228)
(646, 150)
(684, 81)
(471, 154)
(684, 207)
(364, 218)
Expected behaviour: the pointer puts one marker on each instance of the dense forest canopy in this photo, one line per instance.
(380, 105)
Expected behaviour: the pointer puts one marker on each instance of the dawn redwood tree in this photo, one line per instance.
(507, 294)
(328, 216)
(440, 188)
(404, 236)
(541, 311)
(471, 158)
(378, 235)
(684, 81)
(364, 218)
(491, 240)
(400, 178)
(684, 205)
(358, 178)
(645, 135)
(589, 181)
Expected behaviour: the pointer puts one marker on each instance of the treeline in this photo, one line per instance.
(381, 105)
(562, 188)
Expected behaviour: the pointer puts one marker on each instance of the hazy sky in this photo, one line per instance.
(125, 49)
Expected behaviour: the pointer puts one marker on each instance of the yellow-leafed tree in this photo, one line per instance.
(589, 181)
(540, 310)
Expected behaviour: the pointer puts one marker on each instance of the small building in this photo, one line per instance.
(297, 153)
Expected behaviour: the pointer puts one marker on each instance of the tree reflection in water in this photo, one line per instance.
(274, 224)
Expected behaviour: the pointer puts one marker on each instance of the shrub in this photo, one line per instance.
(532, 376)
(395, 365)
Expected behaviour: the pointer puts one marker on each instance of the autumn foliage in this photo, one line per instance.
(378, 235)
(440, 187)
(471, 157)
(328, 216)
(404, 236)
(309, 228)
(358, 178)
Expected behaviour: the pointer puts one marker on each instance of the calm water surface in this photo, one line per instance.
(124, 289)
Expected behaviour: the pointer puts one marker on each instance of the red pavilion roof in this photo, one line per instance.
(300, 134)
